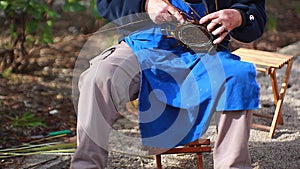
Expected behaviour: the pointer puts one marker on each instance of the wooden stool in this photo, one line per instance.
(269, 62)
(199, 146)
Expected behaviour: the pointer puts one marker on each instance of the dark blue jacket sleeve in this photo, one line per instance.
(254, 20)
(115, 9)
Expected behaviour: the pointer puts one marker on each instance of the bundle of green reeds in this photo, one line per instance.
(44, 145)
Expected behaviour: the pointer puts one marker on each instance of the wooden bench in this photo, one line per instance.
(269, 62)
(199, 146)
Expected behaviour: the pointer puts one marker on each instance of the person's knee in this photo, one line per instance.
(98, 75)
(104, 74)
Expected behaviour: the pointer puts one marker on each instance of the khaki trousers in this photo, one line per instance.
(112, 80)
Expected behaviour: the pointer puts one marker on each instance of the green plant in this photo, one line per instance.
(73, 6)
(29, 23)
(297, 8)
(27, 120)
(6, 73)
(272, 23)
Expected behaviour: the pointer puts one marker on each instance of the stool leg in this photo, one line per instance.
(199, 161)
(275, 92)
(278, 114)
(158, 161)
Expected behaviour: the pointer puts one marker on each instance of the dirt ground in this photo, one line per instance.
(47, 86)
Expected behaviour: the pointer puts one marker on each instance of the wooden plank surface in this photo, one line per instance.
(269, 59)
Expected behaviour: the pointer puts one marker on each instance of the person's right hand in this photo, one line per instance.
(161, 11)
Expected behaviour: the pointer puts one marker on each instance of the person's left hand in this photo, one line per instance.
(220, 23)
(161, 11)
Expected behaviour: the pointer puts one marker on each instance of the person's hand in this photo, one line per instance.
(220, 23)
(161, 11)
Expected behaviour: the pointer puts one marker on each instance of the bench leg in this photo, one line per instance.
(199, 161)
(274, 83)
(158, 161)
(279, 98)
